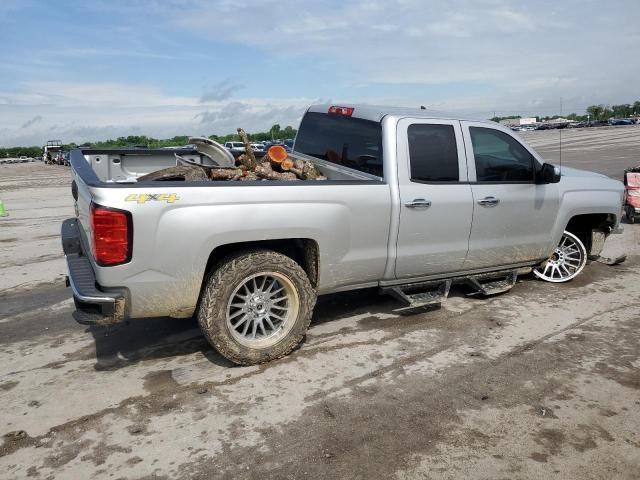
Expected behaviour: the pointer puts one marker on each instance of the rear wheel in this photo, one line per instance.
(566, 262)
(256, 307)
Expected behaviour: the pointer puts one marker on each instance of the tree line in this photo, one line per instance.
(593, 112)
(274, 133)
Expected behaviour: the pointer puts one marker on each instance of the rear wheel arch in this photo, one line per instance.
(304, 251)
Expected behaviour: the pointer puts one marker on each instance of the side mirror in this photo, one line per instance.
(549, 174)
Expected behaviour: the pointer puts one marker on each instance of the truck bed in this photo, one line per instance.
(101, 167)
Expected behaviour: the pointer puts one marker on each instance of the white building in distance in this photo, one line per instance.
(518, 121)
(528, 121)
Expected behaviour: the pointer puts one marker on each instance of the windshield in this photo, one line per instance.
(352, 142)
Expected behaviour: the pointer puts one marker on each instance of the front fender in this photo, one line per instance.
(583, 202)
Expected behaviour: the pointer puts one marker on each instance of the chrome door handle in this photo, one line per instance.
(418, 203)
(489, 201)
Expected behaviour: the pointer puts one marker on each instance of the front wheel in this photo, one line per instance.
(256, 307)
(566, 262)
(631, 214)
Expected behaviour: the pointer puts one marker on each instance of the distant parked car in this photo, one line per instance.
(258, 147)
(620, 121)
(235, 146)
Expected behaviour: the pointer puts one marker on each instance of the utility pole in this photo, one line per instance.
(560, 132)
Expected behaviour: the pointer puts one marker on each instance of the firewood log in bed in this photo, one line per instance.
(276, 164)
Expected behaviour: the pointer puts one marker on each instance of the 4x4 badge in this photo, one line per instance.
(152, 197)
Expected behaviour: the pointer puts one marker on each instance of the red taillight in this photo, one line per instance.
(112, 235)
(344, 111)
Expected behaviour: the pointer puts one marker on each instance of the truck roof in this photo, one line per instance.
(377, 112)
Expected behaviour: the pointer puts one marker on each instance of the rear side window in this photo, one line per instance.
(500, 157)
(433, 153)
(351, 142)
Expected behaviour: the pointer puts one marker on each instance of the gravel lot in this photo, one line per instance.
(541, 382)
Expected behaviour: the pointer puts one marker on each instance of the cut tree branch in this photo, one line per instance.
(251, 162)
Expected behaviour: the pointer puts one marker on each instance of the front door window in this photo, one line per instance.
(500, 157)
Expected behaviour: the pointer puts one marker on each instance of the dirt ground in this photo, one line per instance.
(540, 382)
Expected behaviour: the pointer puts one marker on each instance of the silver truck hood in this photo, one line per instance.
(576, 172)
(575, 176)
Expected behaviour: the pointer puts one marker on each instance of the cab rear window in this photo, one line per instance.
(351, 142)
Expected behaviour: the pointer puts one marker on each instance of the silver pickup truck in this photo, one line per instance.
(412, 204)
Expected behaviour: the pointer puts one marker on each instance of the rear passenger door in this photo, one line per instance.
(435, 198)
(513, 216)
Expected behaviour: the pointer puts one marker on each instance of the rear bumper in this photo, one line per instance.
(93, 306)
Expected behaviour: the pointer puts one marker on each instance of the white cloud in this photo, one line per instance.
(469, 56)
(82, 53)
(220, 91)
(529, 48)
(65, 94)
(96, 111)
(31, 121)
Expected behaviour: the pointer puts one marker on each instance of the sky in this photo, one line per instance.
(81, 70)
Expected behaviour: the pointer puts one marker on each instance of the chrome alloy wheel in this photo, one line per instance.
(566, 262)
(262, 309)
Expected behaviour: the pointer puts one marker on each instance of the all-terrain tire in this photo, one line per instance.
(220, 286)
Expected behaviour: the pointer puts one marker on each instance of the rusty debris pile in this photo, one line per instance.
(274, 164)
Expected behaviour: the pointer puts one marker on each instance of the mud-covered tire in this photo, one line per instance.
(223, 283)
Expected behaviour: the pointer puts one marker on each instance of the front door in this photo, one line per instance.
(513, 216)
(435, 198)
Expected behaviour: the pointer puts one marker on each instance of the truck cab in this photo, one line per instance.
(469, 194)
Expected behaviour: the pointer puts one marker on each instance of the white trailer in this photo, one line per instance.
(52, 153)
